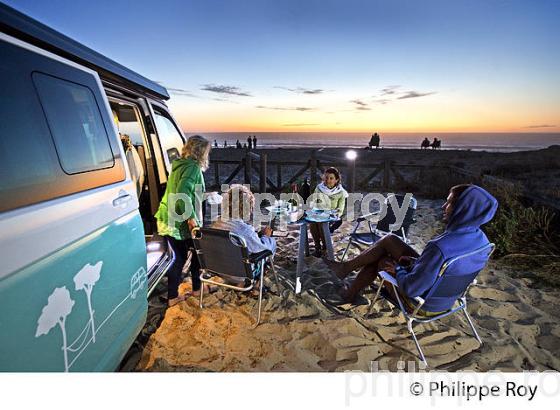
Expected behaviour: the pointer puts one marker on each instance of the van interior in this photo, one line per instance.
(132, 121)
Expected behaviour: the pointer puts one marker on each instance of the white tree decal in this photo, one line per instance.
(58, 307)
(85, 280)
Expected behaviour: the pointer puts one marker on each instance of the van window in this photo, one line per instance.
(30, 162)
(27, 158)
(79, 135)
(169, 135)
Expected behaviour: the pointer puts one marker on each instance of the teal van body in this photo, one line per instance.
(79, 251)
(80, 308)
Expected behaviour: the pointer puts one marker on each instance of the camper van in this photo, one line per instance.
(86, 146)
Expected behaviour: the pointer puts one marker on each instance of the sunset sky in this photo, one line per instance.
(333, 65)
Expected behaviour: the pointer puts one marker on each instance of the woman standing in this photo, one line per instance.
(185, 178)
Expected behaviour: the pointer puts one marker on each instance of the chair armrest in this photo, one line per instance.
(388, 278)
(366, 216)
(256, 257)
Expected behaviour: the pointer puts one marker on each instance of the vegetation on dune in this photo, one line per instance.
(526, 236)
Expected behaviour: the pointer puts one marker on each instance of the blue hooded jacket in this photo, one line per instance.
(473, 208)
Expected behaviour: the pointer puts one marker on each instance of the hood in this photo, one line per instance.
(332, 191)
(183, 164)
(474, 208)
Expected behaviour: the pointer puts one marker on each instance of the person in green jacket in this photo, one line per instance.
(332, 188)
(185, 178)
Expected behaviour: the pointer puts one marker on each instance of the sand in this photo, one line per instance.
(517, 320)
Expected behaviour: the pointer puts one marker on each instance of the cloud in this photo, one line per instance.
(225, 89)
(300, 124)
(414, 94)
(382, 101)
(264, 107)
(390, 90)
(178, 91)
(301, 90)
(360, 105)
(541, 126)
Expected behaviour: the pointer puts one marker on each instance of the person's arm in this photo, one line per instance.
(423, 273)
(340, 205)
(186, 185)
(254, 243)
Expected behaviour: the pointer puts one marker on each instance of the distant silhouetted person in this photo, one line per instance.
(249, 142)
(245, 145)
(237, 144)
(425, 144)
(254, 141)
(215, 144)
(225, 144)
(374, 141)
(436, 144)
(305, 189)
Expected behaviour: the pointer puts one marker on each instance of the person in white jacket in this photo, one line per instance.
(234, 222)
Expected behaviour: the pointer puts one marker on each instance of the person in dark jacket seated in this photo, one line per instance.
(466, 209)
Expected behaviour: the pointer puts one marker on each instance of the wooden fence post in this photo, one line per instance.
(279, 175)
(248, 168)
(262, 177)
(352, 175)
(313, 168)
(386, 173)
(217, 174)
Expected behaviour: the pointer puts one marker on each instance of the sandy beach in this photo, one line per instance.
(515, 313)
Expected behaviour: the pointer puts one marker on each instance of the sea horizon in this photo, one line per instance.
(475, 141)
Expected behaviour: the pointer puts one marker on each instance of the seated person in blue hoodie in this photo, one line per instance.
(234, 222)
(466, 209)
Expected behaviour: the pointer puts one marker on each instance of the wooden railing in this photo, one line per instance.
(258, 166)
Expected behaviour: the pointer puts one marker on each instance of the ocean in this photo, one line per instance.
(503, 142)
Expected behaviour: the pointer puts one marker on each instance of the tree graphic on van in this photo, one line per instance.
(58, 307)
(85, 280)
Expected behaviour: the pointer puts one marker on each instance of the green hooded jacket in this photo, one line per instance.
(184, 178)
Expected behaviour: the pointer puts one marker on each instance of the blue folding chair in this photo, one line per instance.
(383, 226)
(447, 295)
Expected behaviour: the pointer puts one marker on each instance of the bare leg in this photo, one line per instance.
(389, 245)
(365, 278)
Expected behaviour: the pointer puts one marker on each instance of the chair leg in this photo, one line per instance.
(273, 269)
(201, 293)
(411, 330)
(378, 292)
(471, 323)
(260, 294)
(346, 250)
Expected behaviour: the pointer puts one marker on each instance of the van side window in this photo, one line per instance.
(27, 158)
(169, 135)
(31, 164)
(73, 116)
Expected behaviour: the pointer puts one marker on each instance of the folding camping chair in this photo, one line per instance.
(224, 254)
(384, 225)
(449, 292)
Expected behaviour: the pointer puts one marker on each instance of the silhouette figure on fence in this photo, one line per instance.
(249, 142)
(374, 141)
(237, 144)
(436, 144)
(425, 144)
(255, 141)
